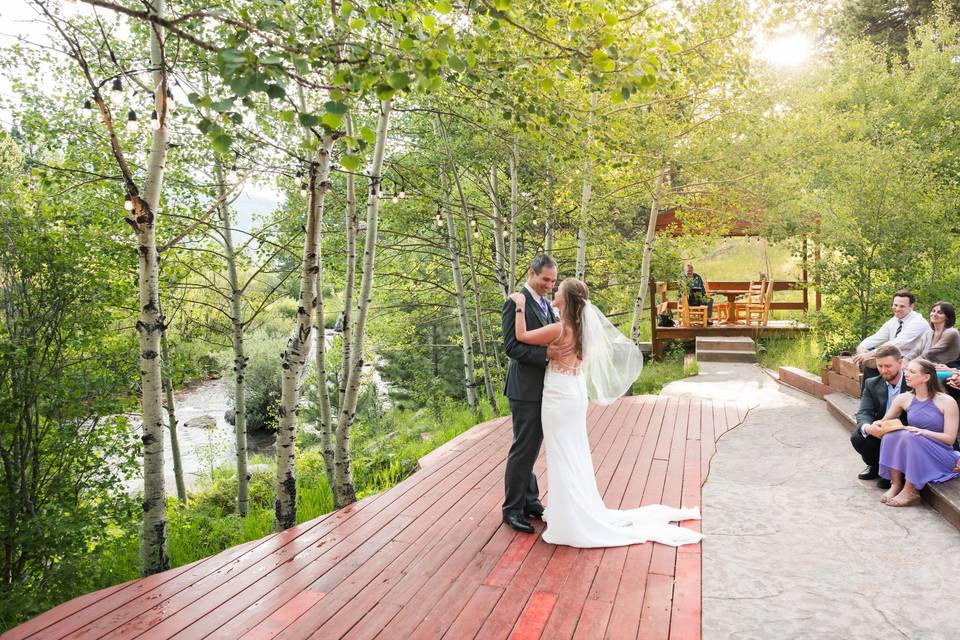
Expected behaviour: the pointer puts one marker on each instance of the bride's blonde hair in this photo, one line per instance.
(575, 295)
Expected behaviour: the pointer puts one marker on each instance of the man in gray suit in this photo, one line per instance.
(524, 390)
(876, 397)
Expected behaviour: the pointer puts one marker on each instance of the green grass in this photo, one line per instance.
(656, 375)
(802, 352)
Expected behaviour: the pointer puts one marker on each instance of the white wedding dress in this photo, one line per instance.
(575, 513)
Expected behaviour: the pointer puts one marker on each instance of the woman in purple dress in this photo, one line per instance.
(922, 452)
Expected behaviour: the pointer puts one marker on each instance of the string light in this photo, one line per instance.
(154, 120)
(87, 109)
(504, 233)
(171, 103)
(131, 120)
(232, 173)
(473, 222)
(116, 92)
(303, 189)
(476, 234)
(439, 220)
(128, 202)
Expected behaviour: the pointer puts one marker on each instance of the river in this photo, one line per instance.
(206, 447)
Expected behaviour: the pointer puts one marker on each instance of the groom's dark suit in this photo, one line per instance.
(524, 390)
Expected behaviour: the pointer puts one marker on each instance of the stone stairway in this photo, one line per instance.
(724, 349)
(839, 386)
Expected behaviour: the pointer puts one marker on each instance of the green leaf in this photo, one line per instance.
(398, 80)
(222, 105)
(610, 19)
(368, 135)
(221, 142)
(335, 107)
(357, 23)
(331, 121)
(309, 120)
(288, 116)
(276, 92)
(443, 7)
(350, 162)
(385, 92)
(231, 56)
(429, 22)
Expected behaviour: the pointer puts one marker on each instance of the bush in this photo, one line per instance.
(262, 378)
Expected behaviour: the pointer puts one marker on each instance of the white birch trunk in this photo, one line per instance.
(498, 245)
(514, 206)
(548, 222)
(239, 354)
(172, 420)
(344, 491)
(151, 322)
(351, 223)
(323, 392)
(469, 382)
(585, 194)
(298, 346)
(477, 299)
(647, 254)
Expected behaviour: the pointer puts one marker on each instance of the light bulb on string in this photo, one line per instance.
(303, 189)
(395, 199)
(131, 120)
(128, 202)
(439, 220)
(476, 234)
(87, 110)
(473, 222)
(154, 120)
(116, 92)
(171, 103)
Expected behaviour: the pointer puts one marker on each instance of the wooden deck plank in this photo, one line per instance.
(221, 604)
(345, 585)
(431, 557)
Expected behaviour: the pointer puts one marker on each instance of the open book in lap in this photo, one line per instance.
(890, 425)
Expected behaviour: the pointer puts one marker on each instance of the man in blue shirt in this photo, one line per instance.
(695, 288)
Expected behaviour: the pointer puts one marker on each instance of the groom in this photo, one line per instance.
(524, 390)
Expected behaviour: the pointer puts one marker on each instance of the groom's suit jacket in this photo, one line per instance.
(528, 363)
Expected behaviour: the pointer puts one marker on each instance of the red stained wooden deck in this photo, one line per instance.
(430, 558)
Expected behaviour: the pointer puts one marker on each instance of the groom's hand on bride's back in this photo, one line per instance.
(558, 352)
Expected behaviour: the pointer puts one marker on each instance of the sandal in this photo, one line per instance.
(908, 502)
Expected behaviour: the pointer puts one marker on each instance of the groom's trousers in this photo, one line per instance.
(520, 483)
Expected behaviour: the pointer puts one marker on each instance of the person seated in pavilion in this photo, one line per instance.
(696, 289)
(903, 331)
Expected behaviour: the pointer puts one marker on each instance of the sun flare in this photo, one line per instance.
(788, 51)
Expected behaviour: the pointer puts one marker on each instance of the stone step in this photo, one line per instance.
(719, 343)
(843, 408)
(844, 366)
(804, 381)
(944, 497)
(843, 384)
(717, 355)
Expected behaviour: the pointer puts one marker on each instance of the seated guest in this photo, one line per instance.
(695, 288)
(903, 331)
(875, 400)
(941, 342)
(923, 451)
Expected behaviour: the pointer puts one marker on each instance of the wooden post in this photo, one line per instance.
(654, 343)
(806, 301)
(816, 269)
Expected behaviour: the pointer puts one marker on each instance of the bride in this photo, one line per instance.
(602, 365)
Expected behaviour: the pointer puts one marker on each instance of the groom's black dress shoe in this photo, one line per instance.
(870, 473)
(518, 522)
(534, 510)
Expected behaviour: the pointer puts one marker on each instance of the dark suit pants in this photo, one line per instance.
(520, 483)
(867, 446)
